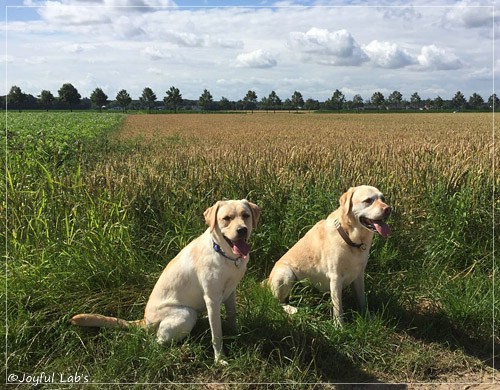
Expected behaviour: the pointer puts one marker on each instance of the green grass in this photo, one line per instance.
(92, 219)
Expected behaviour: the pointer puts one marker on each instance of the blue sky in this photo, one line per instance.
(229, 47)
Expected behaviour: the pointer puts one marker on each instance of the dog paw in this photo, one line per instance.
(221, 362)
(290, 309)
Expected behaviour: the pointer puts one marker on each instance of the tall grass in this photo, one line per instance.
(93, 219)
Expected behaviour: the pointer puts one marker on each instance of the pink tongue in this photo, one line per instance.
(241, 248)
(382, 228)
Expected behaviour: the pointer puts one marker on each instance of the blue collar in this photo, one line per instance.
(219, 250)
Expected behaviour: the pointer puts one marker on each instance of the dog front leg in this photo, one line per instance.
(214, 317)
(359, 291)
(230, 305)
(336, 295)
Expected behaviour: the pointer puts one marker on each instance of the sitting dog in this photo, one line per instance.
(334, 253)
(203, 276)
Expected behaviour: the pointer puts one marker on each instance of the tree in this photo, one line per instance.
(357, 102)
(206, 100)
(69, 95)
(16, 97)
(378, 99)
(415, 99)
(476, 101)
(264, 103)
(123, 99)
(395, 98)
(173, 98)
(274, 101)
(148, 98)
(99, 98)
(297, 100)
(46, 99)
(311, 104)
(250, 101)
(438, 102)
(458, 100)
(224, 103)
(493, 102)
(336, 101)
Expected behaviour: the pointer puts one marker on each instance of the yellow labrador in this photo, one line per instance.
(334, 253)
(203, 276)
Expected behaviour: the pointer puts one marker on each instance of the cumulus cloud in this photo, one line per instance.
(256, 59)
(185, 39)
(329, 48)
(154, 53)
(469, 15)
(388, 55)
(433, 58)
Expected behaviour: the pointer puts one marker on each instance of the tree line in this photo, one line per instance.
(69, 98)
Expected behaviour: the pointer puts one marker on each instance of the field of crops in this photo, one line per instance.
(98, 203)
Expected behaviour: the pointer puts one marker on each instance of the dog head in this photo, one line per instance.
(232, 222)
(367, 205)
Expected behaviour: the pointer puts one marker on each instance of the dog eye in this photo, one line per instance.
(245, 216)
(368, 201)
(227, 218)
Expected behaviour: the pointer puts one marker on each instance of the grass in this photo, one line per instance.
(95, 210)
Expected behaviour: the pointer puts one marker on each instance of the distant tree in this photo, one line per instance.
(476, 101)
(438, 102)
(148, 98)
(46, 99)
(99, 98)
(173, 98)
(265, 104)
(288, 105)
(123, 99)
(206, 100)
(274, 101)
(493, 102)
(311, 104)
(16, 97)
(69, 95)
(297, 100)
(378, 99)
(357, 102)
(337, 100)
(250, 101)
(395, 98)
(415, 99)
(458, 100)
(225, 104)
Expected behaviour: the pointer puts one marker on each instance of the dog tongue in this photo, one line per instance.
(241, 248)
(382, 228)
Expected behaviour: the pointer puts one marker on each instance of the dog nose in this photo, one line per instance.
(387, 211)
(242, 231)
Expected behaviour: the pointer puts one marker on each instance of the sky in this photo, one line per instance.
(434, 48)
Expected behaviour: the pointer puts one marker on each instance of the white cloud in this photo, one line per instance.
(256, 59)
(388, 55)
(469, 15)
(328, 48)
(154, 53)
(434, 58)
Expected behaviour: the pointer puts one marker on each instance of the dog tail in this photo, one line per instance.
(97, 320)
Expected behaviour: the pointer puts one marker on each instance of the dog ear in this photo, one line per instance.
(255, 210)
(210, 215)
(346, 200)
